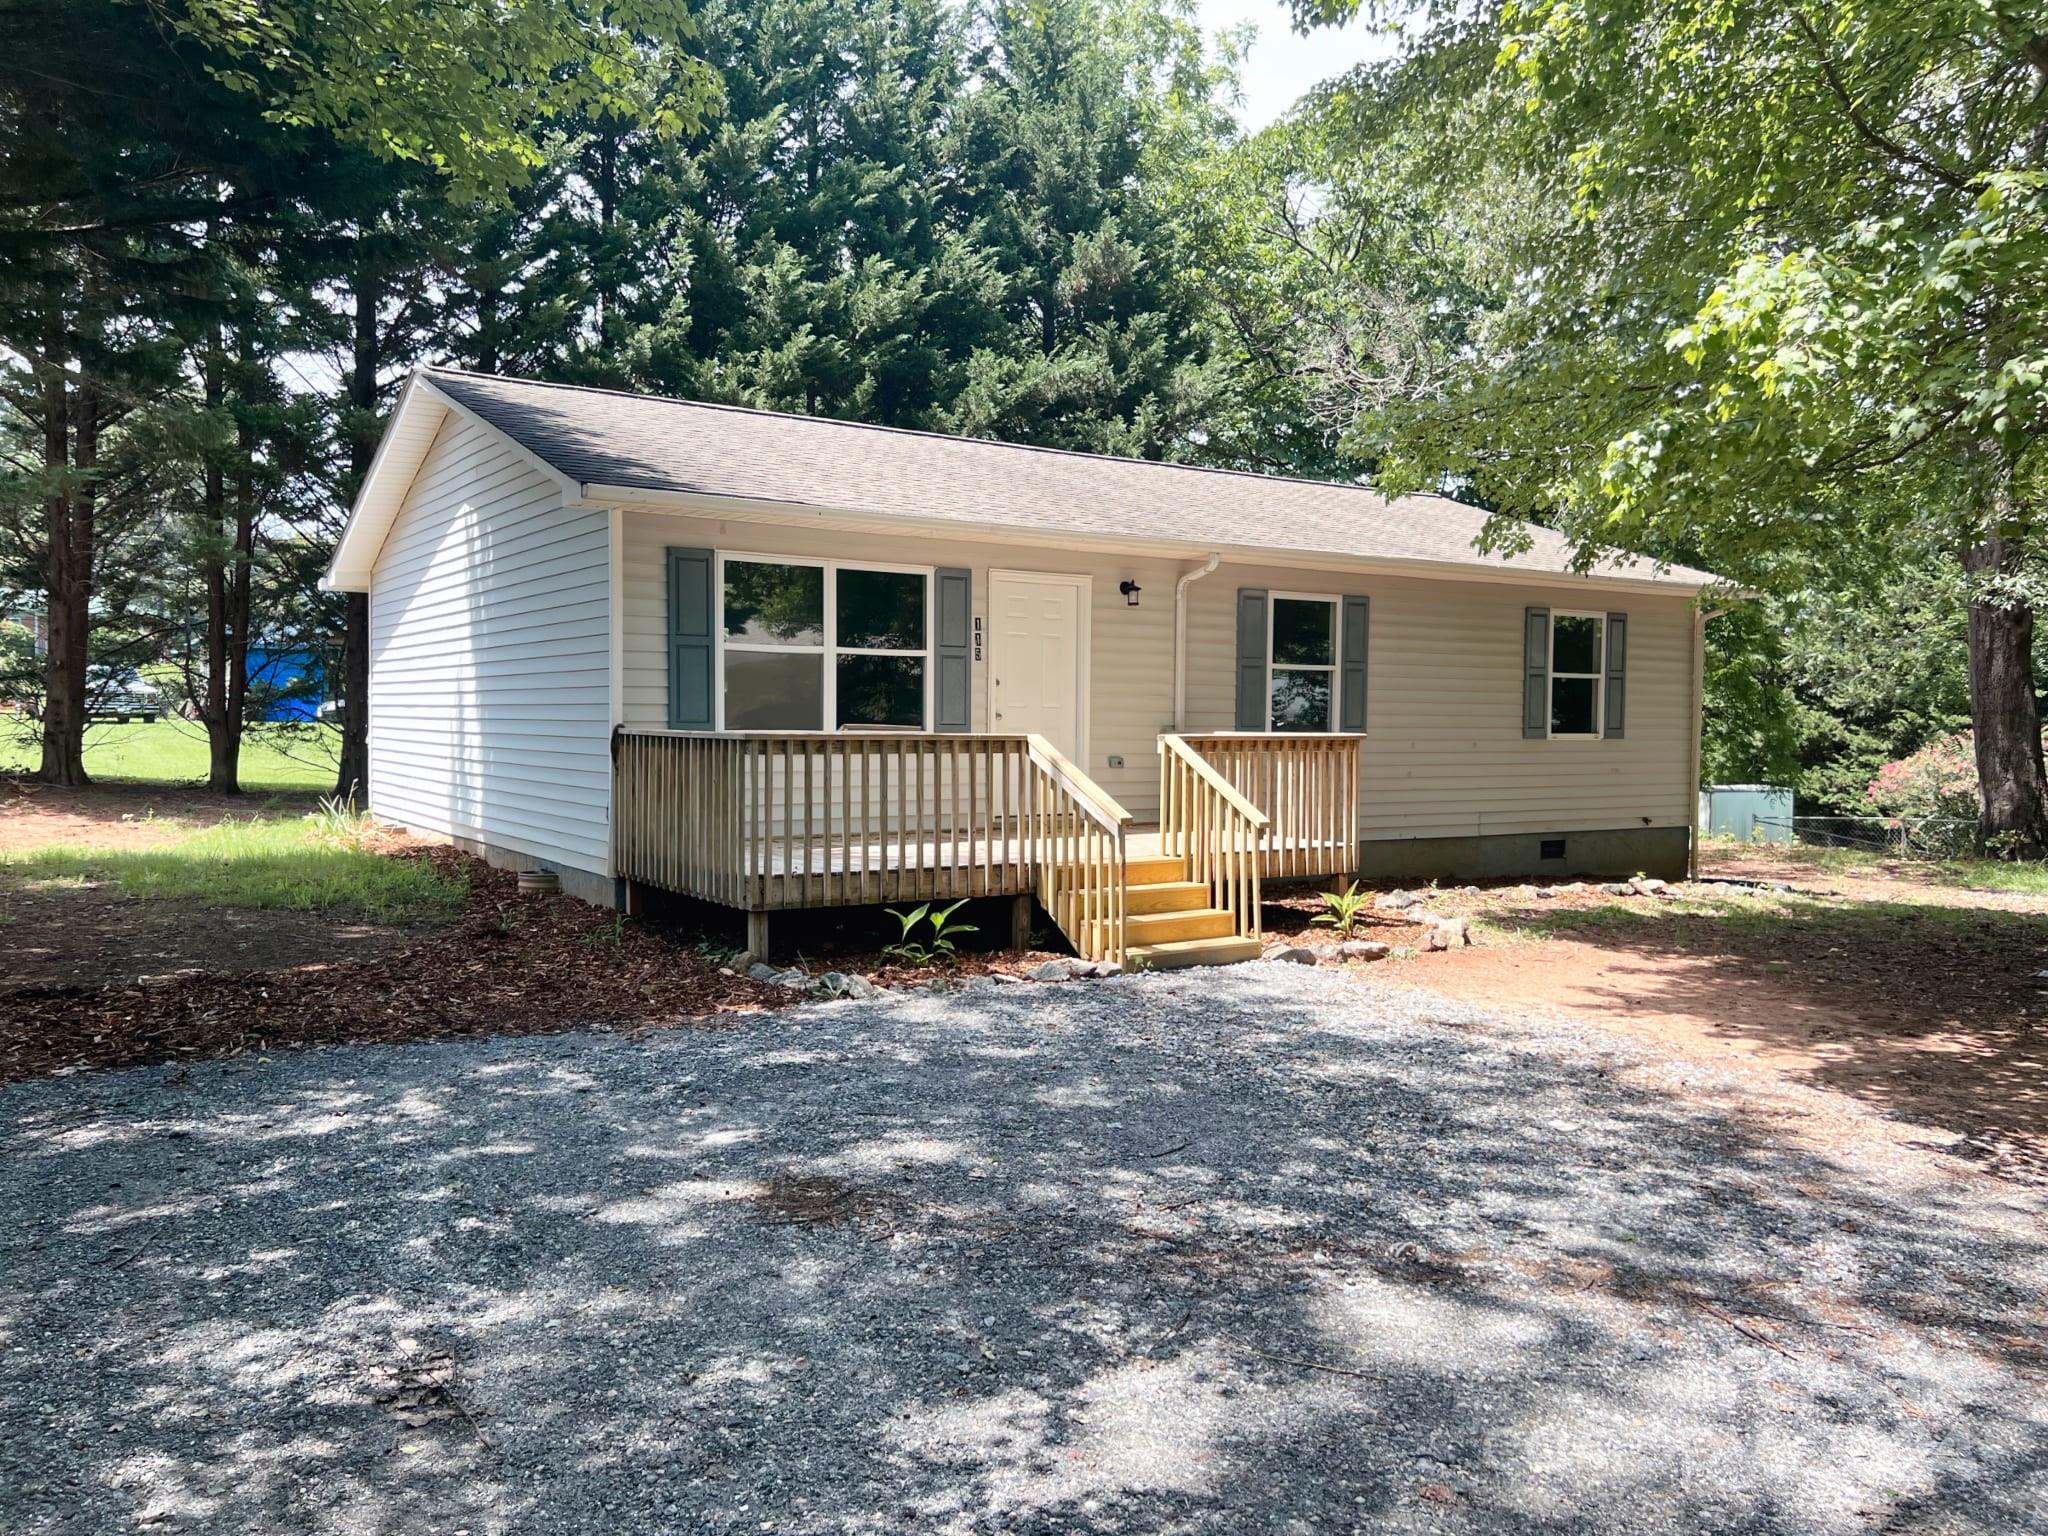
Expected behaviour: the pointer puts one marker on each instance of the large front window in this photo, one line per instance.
(1302, 686)
(815, 645)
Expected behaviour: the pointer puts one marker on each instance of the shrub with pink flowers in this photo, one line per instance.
(1938, 780)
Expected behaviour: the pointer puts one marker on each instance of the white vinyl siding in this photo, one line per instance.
(490, 658)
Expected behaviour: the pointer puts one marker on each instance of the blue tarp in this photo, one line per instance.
(288, 683)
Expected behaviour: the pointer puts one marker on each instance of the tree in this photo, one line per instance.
(1778, 291)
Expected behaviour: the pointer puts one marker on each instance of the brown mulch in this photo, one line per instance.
(506, 965)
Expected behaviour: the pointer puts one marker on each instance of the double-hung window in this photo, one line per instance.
(1302, 674)
(815, 645)
(1577, 676)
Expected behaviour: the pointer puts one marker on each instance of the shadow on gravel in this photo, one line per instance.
(1162, 1254)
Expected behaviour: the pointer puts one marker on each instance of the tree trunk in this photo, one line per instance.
(67, 570)
(2004, 710)
(213, 700)
(352, 780)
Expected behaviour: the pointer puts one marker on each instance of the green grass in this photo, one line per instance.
(275, 758)
(2027, 879)
(311, 864)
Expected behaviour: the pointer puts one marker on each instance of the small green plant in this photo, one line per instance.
(939, 945)
(1346, 907)
(340, 823)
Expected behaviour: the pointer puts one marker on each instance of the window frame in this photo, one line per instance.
(1334, 669)
(1598, 677)
(831, 650)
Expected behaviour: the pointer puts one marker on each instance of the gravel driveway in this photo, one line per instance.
(1246, 1251)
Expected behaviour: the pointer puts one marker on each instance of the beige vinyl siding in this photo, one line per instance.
(490, 658)
(1444, 754)
(1131, 691)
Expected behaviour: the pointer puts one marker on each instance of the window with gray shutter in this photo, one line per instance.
(1251, 659)
(1357, 626)
(1536, 672)
(690, 608)
(1617, 673)
(953, 706)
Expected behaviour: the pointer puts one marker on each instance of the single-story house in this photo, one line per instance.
(779, 661)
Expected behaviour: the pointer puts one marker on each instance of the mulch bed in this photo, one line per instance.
(506, 965)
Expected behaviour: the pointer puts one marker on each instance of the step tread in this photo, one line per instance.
(1155, 870)
(1166, 896)
(1228, 950)
(1138, 924)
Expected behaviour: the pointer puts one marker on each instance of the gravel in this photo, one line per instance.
(1268, 1249)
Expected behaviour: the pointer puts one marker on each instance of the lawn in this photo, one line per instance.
(275, 758)
(307, 864)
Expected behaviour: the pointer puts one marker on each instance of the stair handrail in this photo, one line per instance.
(1206, 821)
(1079, 845)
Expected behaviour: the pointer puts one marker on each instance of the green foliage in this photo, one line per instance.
(1345, 908)
(938, 945)
(265, 864)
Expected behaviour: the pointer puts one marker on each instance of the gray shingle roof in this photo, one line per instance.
(602, 437)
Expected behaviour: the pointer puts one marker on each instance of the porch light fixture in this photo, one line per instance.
(1130, 590)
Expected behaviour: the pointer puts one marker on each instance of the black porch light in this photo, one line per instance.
(1130, 590)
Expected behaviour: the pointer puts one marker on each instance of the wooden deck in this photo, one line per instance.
(769, 822)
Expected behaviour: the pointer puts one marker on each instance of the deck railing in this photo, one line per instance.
(1305, 784)
(1206, 821)
(767, 821)
(1078, 840)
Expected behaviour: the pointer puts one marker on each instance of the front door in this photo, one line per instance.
(1035, 650)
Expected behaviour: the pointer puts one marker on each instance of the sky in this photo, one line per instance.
(1284, 65)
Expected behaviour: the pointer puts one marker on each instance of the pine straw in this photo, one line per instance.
(505, 966)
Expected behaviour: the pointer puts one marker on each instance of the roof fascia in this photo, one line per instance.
(709, 504)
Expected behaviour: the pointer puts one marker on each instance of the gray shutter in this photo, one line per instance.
(1254, 712)
(691, 613)
(1617, 673)
(1536, 672)
(954, 651)
(1351, 664)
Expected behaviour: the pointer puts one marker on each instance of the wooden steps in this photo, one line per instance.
(1169, 923)
(1175, 954)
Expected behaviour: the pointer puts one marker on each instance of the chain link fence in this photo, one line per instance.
(1923, 837)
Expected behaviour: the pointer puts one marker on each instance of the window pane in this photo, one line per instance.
(1571, 706)
(881, 611)
(1575, 647)
(1303, 632)
(774, 691)
(775, 604)
(1301, 701)
(881, 690)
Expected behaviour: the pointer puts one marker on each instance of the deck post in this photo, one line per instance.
(757, 936)
(1020, 920)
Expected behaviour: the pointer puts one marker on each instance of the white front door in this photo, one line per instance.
(1035, 649)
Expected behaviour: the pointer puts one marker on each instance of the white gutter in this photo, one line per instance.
(1180, 638)
(1698, 667)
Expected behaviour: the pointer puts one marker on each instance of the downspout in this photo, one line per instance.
(1180, 638)
(1699, 689)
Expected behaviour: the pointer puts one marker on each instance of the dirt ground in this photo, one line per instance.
(1924, 1002)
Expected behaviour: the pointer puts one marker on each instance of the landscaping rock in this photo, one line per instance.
(1396, 901)
(1643, 885)
(1544, 893)
(1448, 933)
(1297, 954)
(861, 990)
(1617, 888)
(1054, 970)
(1364, 949)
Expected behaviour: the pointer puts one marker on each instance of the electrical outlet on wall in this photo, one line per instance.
(1116, 759)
